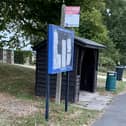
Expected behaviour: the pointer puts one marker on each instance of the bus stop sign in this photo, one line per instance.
(60, 49)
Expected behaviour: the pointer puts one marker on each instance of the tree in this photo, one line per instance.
(92, 26)
(29, 18)
(115, 21)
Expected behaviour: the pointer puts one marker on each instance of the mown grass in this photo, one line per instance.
(19, 82)
(124, 73)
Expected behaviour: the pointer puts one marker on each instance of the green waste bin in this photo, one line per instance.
(111, 81)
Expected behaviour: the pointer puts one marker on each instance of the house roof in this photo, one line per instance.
(78, 41)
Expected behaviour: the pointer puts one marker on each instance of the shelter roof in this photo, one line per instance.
(78, 41)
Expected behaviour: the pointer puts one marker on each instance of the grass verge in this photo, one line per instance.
(19, 82)
(74, 117)
(120, 87)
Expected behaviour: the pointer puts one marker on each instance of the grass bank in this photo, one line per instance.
(19, 82)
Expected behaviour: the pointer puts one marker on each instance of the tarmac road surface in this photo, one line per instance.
(115, 115)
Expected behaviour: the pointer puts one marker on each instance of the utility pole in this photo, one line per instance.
(59, 75)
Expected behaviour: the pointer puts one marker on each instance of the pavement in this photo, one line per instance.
(115, 114)
(94, 101)
(26, 66)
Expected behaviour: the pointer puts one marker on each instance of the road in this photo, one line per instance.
(115, 114)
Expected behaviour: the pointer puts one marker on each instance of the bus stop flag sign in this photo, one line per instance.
(60, 49)
(72, 16)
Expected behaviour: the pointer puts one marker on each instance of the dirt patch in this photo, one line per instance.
(15, 107)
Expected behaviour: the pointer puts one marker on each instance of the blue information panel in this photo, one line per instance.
(60, 49)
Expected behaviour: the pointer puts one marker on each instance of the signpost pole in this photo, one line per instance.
(67, 73)
(67, 92)
(59, 75)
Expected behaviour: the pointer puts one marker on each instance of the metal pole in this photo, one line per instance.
(47, 92)
(59, 75)
(67, 92)
(47, 97)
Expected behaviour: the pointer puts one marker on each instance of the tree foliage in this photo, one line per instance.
(115, 21)
(28, 19)
(92, 26)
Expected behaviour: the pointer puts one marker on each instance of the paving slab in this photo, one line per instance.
(94, 101)
(115, 114)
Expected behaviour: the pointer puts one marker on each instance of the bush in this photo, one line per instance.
(20, 56)
(106, 63)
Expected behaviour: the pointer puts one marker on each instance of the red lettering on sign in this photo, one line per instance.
(72, 10)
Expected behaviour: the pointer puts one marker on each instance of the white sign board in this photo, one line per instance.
(72, 16)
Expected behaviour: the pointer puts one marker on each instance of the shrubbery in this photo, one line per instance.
(20, 56)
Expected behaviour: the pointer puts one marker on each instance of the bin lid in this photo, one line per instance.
(111, 72)
(122, 67)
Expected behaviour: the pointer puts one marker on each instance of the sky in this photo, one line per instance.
(8, 35)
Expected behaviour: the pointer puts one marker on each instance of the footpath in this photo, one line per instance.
(26, 66)
(115, 114)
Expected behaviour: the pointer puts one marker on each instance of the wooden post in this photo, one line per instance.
(59, 75)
